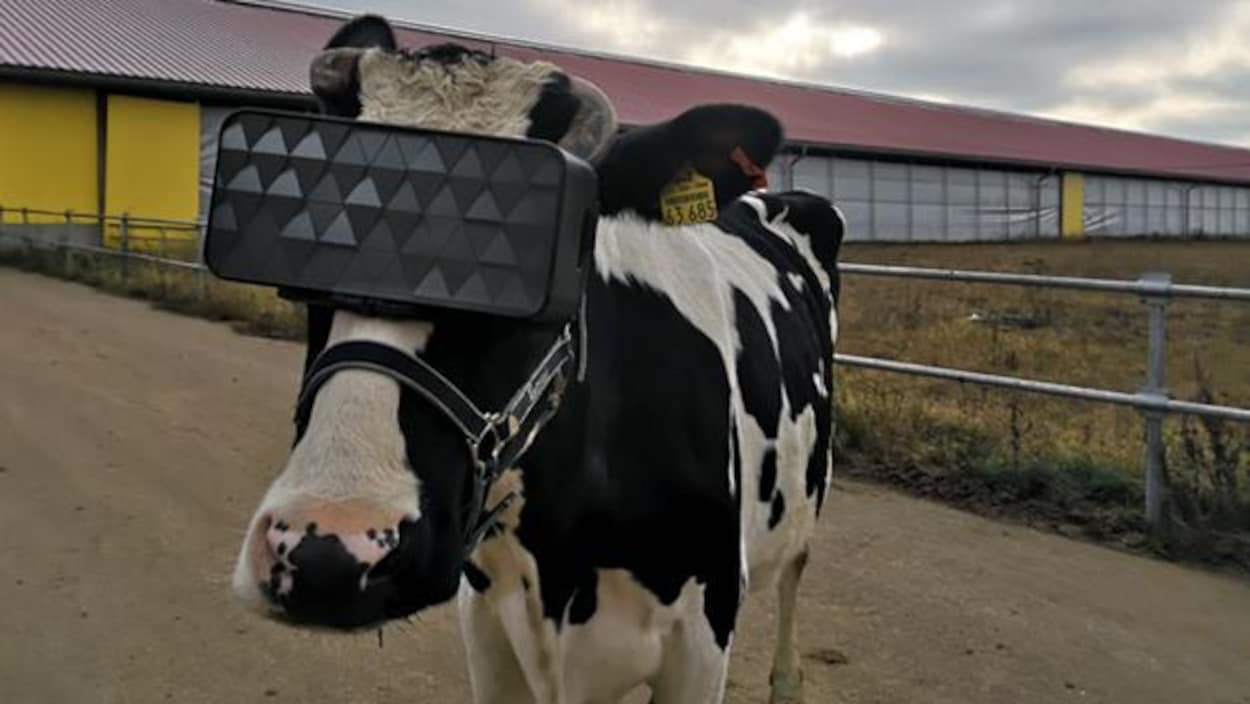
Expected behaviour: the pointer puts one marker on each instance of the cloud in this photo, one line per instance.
(1153, 65)
(794, 47)
(783, 43)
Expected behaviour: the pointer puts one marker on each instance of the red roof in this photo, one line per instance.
(266, 48)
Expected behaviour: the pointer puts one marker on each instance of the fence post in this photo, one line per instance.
(66, 243)
(201, 288)
(125, 245)
(162, 266)
(1154, 288)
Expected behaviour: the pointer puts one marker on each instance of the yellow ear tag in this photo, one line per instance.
(689, 199)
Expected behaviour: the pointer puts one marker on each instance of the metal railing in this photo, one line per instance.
(135, 237)
(148, 240)
(1156, 290)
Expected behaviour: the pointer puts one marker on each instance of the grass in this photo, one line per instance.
(1070, 466)
(253, 310)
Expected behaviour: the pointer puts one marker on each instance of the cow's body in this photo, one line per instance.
(691, 463)
(684, 469)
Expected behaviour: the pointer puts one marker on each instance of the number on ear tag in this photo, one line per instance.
(688, 200)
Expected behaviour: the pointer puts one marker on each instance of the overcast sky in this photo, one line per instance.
(1178, 68)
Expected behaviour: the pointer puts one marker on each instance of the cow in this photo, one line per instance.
(689, 457)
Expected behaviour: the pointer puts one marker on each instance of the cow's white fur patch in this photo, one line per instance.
(697, 267)
(352, 448)
(819, 382)
(492, 98)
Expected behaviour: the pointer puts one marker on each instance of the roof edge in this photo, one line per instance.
(154, 87)
(920, 156)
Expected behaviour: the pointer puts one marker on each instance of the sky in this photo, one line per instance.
(1162, 66)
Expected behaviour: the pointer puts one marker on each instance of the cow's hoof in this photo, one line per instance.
(787, 688)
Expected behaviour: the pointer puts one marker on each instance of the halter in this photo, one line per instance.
(494, 440)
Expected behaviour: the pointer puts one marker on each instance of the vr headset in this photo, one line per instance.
(400, 221)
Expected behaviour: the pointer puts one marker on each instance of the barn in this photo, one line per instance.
(112, 108)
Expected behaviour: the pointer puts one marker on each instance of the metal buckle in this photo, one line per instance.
(486, 447)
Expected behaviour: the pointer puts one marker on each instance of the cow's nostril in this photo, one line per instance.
(309, 559)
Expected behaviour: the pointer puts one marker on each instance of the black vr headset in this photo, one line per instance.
(400, 221)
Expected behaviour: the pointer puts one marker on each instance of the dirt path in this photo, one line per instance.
(134, 443)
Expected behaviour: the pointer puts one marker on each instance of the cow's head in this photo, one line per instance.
(368, 520)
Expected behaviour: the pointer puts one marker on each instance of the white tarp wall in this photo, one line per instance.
(211, 117)
(895, 201)
(1129, 207)
(912, 202)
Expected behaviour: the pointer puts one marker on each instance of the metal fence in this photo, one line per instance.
(1155, 290)
(175, 243)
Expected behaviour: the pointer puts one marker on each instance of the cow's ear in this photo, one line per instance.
(594, 125)
(364, 32)
(731, 145)
(334, 75)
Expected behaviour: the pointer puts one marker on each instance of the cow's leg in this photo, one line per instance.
(495, 675)
(786, 680)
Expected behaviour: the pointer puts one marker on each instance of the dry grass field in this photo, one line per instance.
(1066, 465)
(1002, 449)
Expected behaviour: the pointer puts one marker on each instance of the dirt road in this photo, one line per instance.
(134, 444)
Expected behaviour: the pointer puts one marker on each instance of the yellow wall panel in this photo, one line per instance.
(48, 153)
(1073, 206)
(152, 161)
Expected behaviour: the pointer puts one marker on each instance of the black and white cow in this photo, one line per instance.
(687, 469)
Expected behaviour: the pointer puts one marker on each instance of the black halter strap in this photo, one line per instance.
(407, 369)
(495, 440)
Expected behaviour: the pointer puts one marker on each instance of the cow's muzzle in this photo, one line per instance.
(328, 564)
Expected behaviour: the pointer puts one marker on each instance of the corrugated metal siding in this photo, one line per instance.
(184, 41)
(212, 43)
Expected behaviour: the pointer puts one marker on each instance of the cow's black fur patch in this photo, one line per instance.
(476, 578)
(585, 599)
(777, 511)
(552, 115)
(758, 372)
(768, 475)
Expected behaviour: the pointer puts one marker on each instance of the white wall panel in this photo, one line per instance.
(892, 201)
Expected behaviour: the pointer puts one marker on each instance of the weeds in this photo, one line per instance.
(1053, 462)
(1209, 468)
